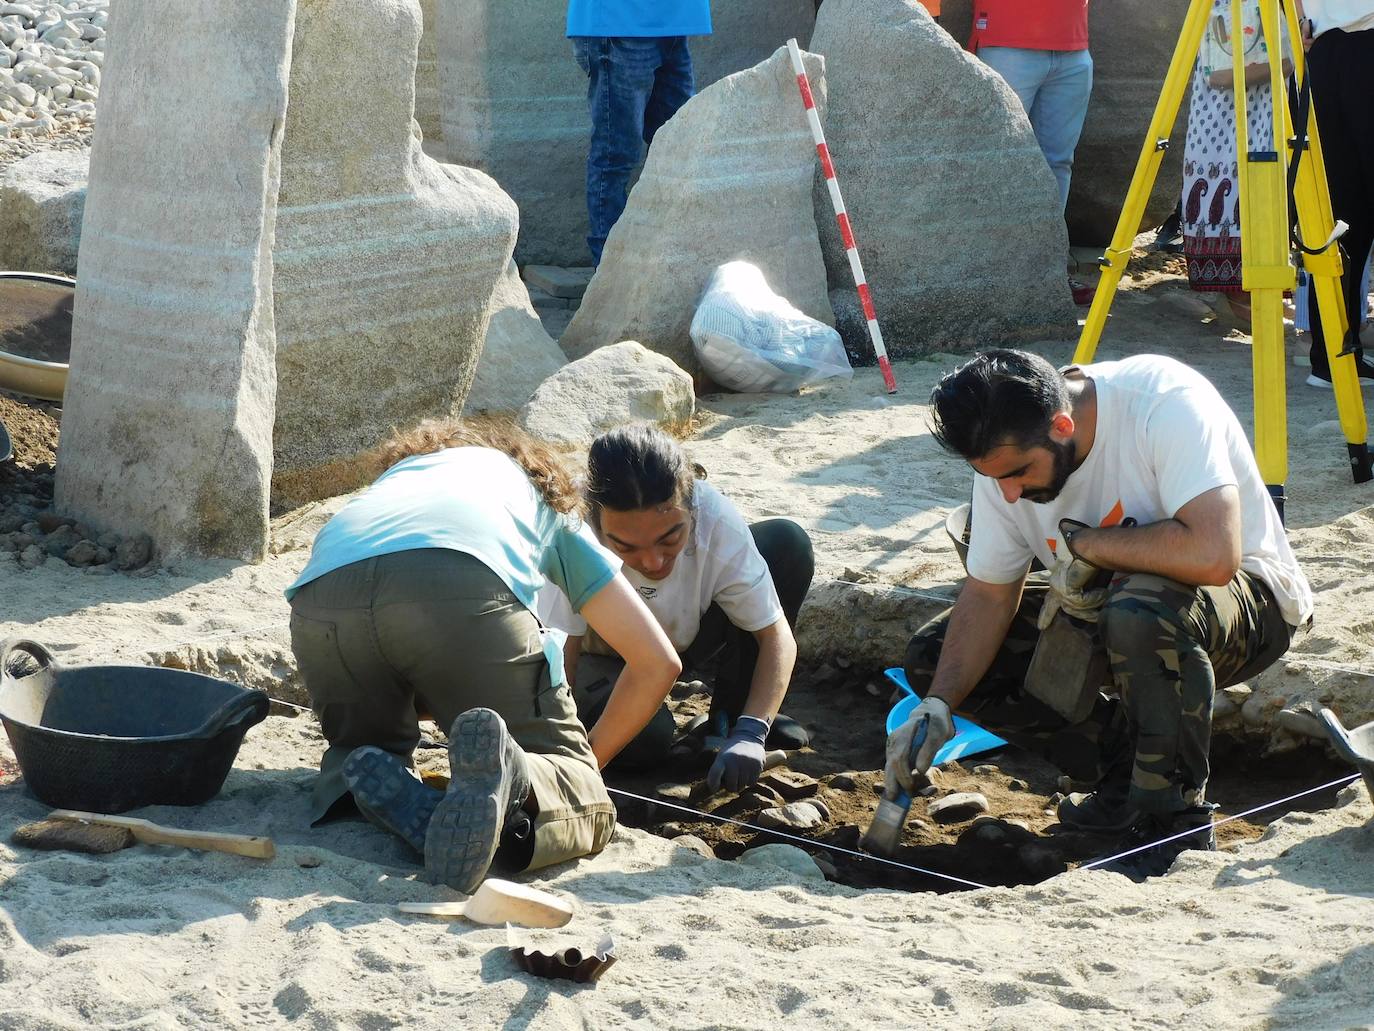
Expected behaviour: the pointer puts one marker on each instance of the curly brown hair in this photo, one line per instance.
(541, 463)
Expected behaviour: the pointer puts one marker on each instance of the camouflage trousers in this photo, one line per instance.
(1169, 647)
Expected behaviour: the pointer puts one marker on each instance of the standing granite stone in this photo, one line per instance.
(386, 260)
(427, 75)
(41, 201)
(1131, 44)
(728, 179)
(518, 355)
(955, 210)
(514, 101)
(167, 422)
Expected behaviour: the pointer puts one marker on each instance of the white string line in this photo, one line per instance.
(928, 595)
(805, 841)
(1341, 782)
(1300, 660)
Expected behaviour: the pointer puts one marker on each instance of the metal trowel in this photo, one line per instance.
(1354, 746)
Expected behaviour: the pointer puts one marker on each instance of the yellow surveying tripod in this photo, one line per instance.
(1266, 266)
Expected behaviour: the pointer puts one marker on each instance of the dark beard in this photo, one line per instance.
(1064, 456)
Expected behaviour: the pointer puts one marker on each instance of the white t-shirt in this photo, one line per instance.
(1164, 436)
(1347, 15)
(720, 564)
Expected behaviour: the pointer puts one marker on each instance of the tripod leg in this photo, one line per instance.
(1114, 262)
(1315, 223)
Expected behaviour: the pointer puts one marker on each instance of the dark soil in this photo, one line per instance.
(31, 532)
(1019, 841)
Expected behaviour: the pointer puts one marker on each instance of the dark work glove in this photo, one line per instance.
(741, 757)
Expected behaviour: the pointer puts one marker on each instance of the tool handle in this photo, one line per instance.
(149, 833)
(903, 799)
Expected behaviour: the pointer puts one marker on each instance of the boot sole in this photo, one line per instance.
(387, 795)
(461, 841)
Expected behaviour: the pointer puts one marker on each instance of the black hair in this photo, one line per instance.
(1002, 396)
(635, 467)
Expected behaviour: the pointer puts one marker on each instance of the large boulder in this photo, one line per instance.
(728, 178)
(1131, 44)
(518, 354)
(955, 210)
(615, 385)
(42, 198)
(386, 260)
(167, 423)
(514, 102)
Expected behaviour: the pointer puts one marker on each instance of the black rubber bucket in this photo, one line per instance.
(108, 739)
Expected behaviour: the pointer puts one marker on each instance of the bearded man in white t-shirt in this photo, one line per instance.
(1170, 575)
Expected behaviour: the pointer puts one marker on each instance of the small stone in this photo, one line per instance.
(134, 552)
(1017, 784)
(102, 556)
(873, 689)
(843, 782)
(108, 540)
(790, 784)
(843, 661)
(1022, 824)
(308, 862)
(100, 570)
(1252, 711)
(32, 557)
(694, 844)
(674, 792)
(763, 795)
(785, 857)
(50, 521)
(821, 808)
(670, 830)
(81, 554)
(795, 816)
(986, 770)
(962, 805)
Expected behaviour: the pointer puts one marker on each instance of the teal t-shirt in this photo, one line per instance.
(639, 17)
(477, 501)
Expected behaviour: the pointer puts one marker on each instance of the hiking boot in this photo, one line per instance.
(1157, 831)
(1105, 811)
(489, 783)
(389, 796)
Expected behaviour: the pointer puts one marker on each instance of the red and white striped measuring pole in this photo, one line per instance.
(842, 217)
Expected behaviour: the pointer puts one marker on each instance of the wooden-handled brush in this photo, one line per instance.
(76, 831)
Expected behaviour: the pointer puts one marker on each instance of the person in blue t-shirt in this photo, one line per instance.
(417, 599)
(639, 72)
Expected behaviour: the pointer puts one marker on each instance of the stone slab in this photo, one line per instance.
(557, 281)
(167, 422)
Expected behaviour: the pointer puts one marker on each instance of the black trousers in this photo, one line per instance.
(1341, 68)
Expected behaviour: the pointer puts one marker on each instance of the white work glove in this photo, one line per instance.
(1077, 587)
(901, 771)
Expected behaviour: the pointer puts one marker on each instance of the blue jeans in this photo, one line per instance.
(634, 85)
(1054, 86)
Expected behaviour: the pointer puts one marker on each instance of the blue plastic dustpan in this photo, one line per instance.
(969, 738)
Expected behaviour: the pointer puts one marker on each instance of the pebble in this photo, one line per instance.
(763, 794)
(844, 782)
(1017, 784)
(50, 57)
(794, 816)
(962, 805)
(790, 784)
(986, 770)
(308, 862)
(785, 857)
(674, 792)
(694, 844)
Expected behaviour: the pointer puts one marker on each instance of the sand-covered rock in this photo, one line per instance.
(613, 385)
(955, 210)
(42, 198)
(386, 260)
(728, 178)
(518, 354)
(167, 424)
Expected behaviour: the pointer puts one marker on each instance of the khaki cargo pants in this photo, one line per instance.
(435, 631)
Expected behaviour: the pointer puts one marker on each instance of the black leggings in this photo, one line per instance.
(1341, 67)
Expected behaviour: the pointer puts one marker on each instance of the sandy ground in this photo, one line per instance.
(1278, 934)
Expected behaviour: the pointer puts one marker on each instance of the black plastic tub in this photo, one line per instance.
(112, 738)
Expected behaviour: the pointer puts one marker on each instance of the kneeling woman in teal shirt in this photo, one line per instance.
(417, 599)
